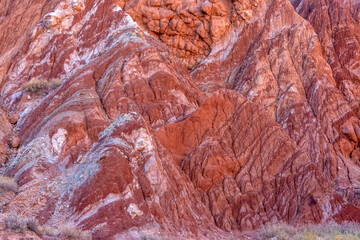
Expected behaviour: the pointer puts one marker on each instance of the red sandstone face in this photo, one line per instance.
(183, 119)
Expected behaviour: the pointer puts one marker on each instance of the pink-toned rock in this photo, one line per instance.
(5, 136)
(14, 118)
(15, 142)
(219, 25)
(78, 5)
(51, 19)
(104, 109)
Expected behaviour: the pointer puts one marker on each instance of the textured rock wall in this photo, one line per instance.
(337, 25)
(105, 128)
(247, 181)
(285, 71)
(16, 21)
(190, 29)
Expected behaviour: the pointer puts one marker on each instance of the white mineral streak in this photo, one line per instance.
(78, 5)
(92, 209)
(58, 140)
(134, 210)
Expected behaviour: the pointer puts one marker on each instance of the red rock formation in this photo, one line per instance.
(277, 62)
(247, 167)
(189, 28)
(104, 127)
(6, 137)
(337, 26)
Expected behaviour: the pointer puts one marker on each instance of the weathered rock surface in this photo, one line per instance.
(191, 29)
(337, 26)
(277, 61)
(6, 137)
(247, 181)
(17, 18)
(117, 137)
(74, 164)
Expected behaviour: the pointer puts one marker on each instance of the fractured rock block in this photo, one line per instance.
(214, 9)
(120, 3)
(149, 12)
(178, 25)
(154, 3)
(15, 142)
(191, 47)
(174, 5)
(13, 118)
(132, 13)
(207, 8)
(203, 33)
(164, 23)
(218, 27)
(153, 25)
(169, 2)
(349, 131)
(182, 44)
(166, 14)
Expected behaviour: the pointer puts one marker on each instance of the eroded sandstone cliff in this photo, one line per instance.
(187, 119)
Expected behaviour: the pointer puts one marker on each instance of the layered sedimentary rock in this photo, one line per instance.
(276, 61)
(17, 20)
(247, 181)
(133, 119)
(337, 26)
(71, 164)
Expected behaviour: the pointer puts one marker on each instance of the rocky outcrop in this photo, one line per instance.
(247, 168)
(104, 128)
(69, 129)
(190, 29)
(337, 26)
(284, 71)
(16, 21)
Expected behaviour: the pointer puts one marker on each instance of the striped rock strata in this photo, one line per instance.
(105, 128)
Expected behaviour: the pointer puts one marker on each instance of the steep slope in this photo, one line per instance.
(276, 61)
(74, 164)
(337, 25)
(117, 124)
(247, 168)
(17, 19)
